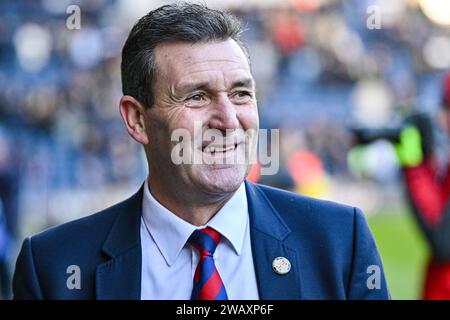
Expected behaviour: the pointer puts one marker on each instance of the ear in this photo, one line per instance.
(133, 115)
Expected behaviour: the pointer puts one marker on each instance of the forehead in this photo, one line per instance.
(178, 61)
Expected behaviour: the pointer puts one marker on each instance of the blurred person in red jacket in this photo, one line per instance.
(428, 188)
(288, 35)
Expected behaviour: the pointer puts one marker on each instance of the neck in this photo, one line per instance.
(197, 210)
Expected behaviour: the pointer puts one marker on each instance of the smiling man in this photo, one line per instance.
(208, 83)
(197, 229)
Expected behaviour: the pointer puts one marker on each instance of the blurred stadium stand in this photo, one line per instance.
(64, 151)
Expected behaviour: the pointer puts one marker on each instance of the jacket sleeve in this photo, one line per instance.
(425, 193)
(25, 281)
(440, 238)
(367, 280)
(429, 199)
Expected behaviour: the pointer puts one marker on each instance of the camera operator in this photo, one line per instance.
(429, 195)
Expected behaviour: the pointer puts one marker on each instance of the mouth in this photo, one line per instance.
(219, 150)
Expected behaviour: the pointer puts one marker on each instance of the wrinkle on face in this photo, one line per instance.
(217, 68)
(171, 97)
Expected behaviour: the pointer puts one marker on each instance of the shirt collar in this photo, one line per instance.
(231, 220)
(171, 233)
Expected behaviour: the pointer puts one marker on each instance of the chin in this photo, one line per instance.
(222, 179)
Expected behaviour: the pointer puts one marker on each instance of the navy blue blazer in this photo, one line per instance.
(329, 245)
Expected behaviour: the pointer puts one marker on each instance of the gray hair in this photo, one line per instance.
(185, 22)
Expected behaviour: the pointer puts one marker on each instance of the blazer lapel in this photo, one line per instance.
(120, 277)
(268, 232)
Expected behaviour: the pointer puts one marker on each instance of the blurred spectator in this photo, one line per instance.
(288, 36)
(6, 247)
(429, 193)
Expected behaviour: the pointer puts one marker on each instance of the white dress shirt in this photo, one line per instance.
(169, 262)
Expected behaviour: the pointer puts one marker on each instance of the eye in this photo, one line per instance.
(197, 97)
(197, 100)
(242, 96)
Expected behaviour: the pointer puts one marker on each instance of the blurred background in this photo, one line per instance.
(322, 67)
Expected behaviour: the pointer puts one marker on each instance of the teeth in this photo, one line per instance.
(217, 149)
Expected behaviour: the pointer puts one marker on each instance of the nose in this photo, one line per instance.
(224, 115)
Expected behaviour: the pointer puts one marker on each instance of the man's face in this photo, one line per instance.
(203, 86)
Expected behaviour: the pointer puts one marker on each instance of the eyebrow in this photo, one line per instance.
(189, 87)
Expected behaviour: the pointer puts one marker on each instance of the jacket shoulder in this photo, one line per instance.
(333, 243)
(46, 258)
(82, 233)
(314, 222)
(290, 202)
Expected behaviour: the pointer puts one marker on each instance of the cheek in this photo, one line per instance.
(176, 118)
(186, 118)
(248, 117)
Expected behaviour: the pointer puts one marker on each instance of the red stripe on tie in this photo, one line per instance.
(201, 250)
(211, 288)
(212, 233)
(198, 269)
(207, 288)
(197, 274)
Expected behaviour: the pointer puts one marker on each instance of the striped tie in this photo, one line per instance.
(207, 282)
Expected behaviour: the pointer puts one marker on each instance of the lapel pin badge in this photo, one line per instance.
(281, 265)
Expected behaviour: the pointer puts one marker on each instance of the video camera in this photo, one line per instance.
(422, 121)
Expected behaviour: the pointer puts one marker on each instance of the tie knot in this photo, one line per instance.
(205, 240)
